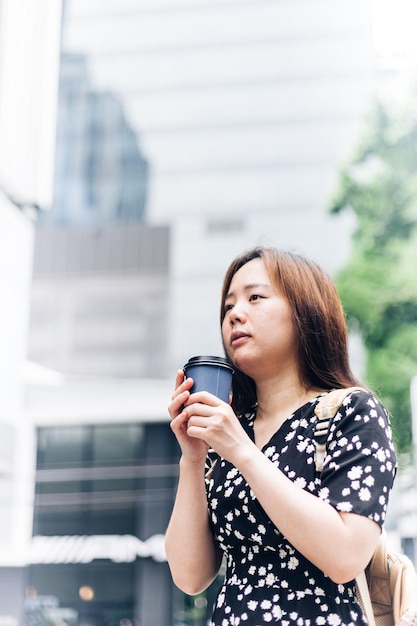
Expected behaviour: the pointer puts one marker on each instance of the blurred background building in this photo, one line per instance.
(179, 133)
(29, 39)
(226, 122)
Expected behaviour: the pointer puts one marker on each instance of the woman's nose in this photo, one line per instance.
(237, 314)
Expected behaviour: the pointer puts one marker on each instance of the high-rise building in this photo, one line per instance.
(101, 175)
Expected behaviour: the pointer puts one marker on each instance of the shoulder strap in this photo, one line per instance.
(362, 588)
(325, 410)
(332, 400)
(377, 588)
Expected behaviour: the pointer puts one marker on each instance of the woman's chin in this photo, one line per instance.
(244, 363)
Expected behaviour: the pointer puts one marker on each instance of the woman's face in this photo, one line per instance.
(258, 330)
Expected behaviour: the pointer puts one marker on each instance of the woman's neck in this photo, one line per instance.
(275, 405)
(278, 399)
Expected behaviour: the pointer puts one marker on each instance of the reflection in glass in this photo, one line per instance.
(100, 173)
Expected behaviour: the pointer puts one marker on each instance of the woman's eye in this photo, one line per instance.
(228, 307)
(255, 296)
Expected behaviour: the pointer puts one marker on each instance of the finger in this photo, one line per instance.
(182, 384)
(178, 422)
(185, 385)
(177, 404)
(197, 409)
(179, 378)
(204, 397)
(197, 430)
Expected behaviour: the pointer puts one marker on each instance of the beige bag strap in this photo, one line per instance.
(325, 410)
(362, 587)
(378, 590)
(332, 400)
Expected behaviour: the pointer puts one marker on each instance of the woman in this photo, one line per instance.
(294, 540)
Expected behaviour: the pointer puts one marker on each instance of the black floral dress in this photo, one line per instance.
(267, 580)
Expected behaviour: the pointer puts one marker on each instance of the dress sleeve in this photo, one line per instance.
(360, 464)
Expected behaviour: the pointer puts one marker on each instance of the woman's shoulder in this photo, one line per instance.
(362, 397)
(354, 404)
(349, 396)
(361, 408)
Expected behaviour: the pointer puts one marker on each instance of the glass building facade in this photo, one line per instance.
(100, 173)
(108, 482)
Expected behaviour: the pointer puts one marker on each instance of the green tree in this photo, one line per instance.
(378, 287)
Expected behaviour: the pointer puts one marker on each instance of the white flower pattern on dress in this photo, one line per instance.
(267, 581)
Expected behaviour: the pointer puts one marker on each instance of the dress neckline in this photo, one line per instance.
(284, 427)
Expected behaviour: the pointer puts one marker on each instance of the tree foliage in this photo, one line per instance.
(378, 287)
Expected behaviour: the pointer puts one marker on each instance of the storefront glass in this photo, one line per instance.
(103, 498)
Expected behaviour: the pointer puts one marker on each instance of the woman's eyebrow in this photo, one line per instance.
(249, 287)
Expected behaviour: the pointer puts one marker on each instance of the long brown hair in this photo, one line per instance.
(318, 316)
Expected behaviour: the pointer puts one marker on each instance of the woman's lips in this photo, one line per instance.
(238, 337)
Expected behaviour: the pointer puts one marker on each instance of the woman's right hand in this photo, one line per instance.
(192, 448)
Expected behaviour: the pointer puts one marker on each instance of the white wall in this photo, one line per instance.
(16, 436)
(29, 46)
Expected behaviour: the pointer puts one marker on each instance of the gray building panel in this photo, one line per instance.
(136, 247)
(100, 301)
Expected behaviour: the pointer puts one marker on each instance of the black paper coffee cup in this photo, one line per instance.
(212, 374)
